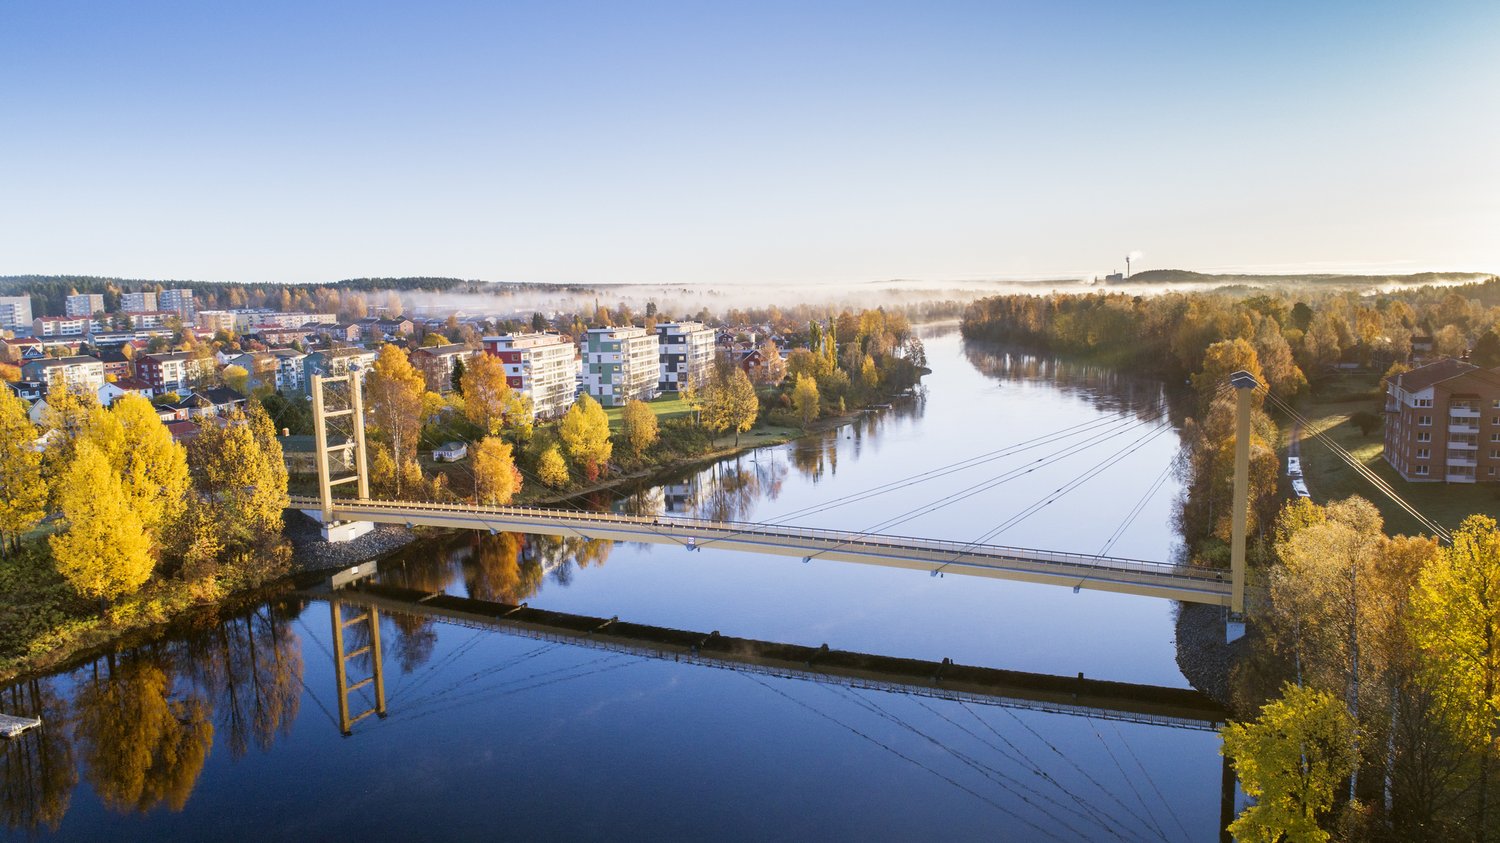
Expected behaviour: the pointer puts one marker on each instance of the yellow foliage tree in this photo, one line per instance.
(105, 552)
(552, 468)
(585, 434)
(153, 469)
(1291, 760)
(496, 480)
(23, 491)
(805, 398)
(395, 390)
(639, 426)
(1456, 622)
(1223, 359)
(488, 400)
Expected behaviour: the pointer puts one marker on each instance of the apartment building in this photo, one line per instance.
(620, 364)
(83, 304)
(179, 302)
(436, 363)
(338, 361)
(1443, 423)
(15, 313)
(81, 374)
(214, 321)
(62, 326)
(176, 371)
(686, 356)
(543, 366)
(137, 302)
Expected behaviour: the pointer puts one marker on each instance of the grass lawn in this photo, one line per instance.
(665, 407)
(1328, 478)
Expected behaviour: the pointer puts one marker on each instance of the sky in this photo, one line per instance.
(731, 144)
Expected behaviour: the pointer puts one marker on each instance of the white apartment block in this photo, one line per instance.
(83, 304)
(137, 302)
(687, 354)
(83, 375)
(543, 366)
(620, 364)
(246, 321)
(15, 313)
(62, 326)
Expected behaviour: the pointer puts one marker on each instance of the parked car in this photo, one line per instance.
(1300, 487)
(1294, 466)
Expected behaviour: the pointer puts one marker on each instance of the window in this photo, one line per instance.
(1424, 421)
(1424, 453)
(1495, 437)
(1422, 402)
(1421, 470)
(1427, 437)
(1494, 454)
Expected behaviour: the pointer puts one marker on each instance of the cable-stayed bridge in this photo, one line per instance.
(1075, 570)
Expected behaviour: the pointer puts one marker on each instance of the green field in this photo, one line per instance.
(665, 407)
(1329, 478)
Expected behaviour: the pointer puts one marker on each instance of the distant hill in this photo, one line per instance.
(1183, 276)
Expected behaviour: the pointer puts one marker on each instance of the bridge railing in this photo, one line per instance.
(837, 538)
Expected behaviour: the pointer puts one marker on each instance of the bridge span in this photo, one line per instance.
(1050, 567)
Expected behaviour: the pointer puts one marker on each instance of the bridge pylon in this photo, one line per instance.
(333, 444)
(1244, 384)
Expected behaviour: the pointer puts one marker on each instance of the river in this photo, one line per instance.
(229, 731)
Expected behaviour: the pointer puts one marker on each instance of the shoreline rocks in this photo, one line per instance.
(310, 553)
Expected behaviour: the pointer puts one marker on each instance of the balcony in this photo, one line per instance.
(1463, 411)
(1460, 478)
(1462, 459)
(1462, 426)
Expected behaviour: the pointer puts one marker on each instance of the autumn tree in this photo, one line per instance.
(805, 399)
(240, 485)
(1221, 360)
(395, 389)
(638, 425)
(729, 402)
(552, 469)
(585, 435)
(1456, 622)
(1291, 761)
(104, 552)
(23, 490)
(153, 469)
(496, 479)
(489, 401)
(772, 369)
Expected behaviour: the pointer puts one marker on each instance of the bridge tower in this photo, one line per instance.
(1244, 384)
(341, 442)
(369, 621)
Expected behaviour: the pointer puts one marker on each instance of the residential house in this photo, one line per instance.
(16, 349)
(113, 391)
(30, 391)
(542, 366)
(1443, 423)
(15, 313)
(116, 364)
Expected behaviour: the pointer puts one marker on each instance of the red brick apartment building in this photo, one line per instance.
(1443, 423)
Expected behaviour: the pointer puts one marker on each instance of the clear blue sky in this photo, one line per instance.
(727, 144)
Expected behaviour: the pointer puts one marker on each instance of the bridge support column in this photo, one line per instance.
(351, 451)
(370, 617)
(1243, 383)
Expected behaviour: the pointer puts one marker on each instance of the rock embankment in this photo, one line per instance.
(311, 553)
(1203, 656)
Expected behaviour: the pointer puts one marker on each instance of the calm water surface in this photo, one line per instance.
(230, 731)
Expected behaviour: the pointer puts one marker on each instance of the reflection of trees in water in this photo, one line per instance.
(1103, 387)
(415, 635)
(252, 668)
(728, 490)
(143, 735)
(816, 454)
(38, 772)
